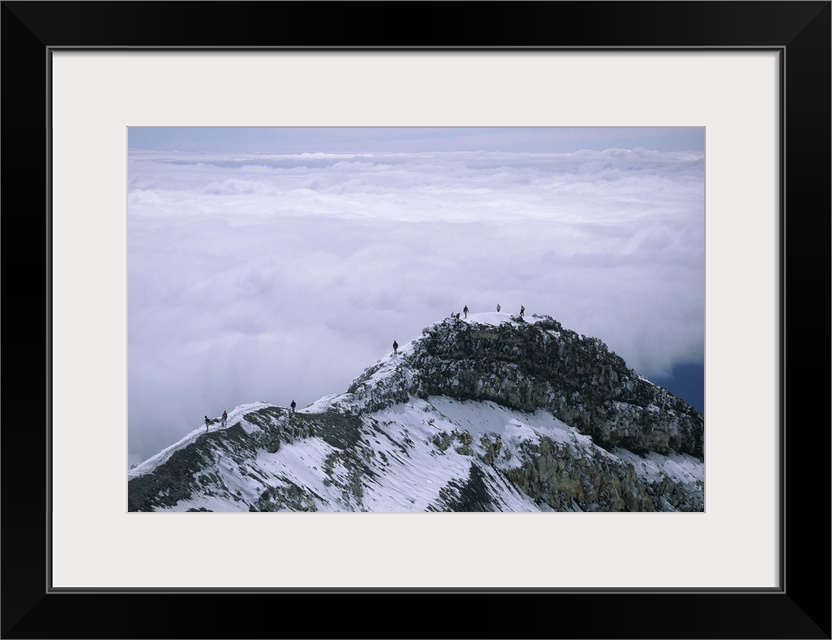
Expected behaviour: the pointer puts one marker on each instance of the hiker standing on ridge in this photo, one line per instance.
(292, 406)
(522, 310)
(224, 417)
(465, 310)
(395, 347)
(498, 307)
(207, 422)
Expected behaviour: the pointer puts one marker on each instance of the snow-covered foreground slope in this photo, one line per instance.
(391, 443)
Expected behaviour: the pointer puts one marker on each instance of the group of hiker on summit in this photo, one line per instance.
(465, 311)
(456, 316)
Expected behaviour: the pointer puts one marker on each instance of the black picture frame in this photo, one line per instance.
(799, 608)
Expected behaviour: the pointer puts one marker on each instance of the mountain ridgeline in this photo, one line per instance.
(491, 413)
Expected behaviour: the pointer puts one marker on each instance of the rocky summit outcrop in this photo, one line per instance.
(537, 364)
(520, 414)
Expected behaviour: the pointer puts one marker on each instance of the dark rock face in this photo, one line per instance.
(470, 496)
(554, 475)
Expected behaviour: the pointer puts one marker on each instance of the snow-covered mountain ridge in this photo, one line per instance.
(487, 413)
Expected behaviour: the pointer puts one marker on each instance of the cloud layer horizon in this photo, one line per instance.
(258, 276)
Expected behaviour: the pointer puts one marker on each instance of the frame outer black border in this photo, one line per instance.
(800, 30)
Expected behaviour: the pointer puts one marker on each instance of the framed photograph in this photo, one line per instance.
(510, 403)
(103, 100)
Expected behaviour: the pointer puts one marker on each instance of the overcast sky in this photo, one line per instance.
(276, 264)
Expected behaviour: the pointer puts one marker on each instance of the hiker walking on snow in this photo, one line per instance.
(395, 347)
(224, 417)
(522, 310)
(207, 422)
(292, 406)
(465, 310)
(498, 307)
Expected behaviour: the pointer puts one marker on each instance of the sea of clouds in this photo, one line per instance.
(272, 277)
